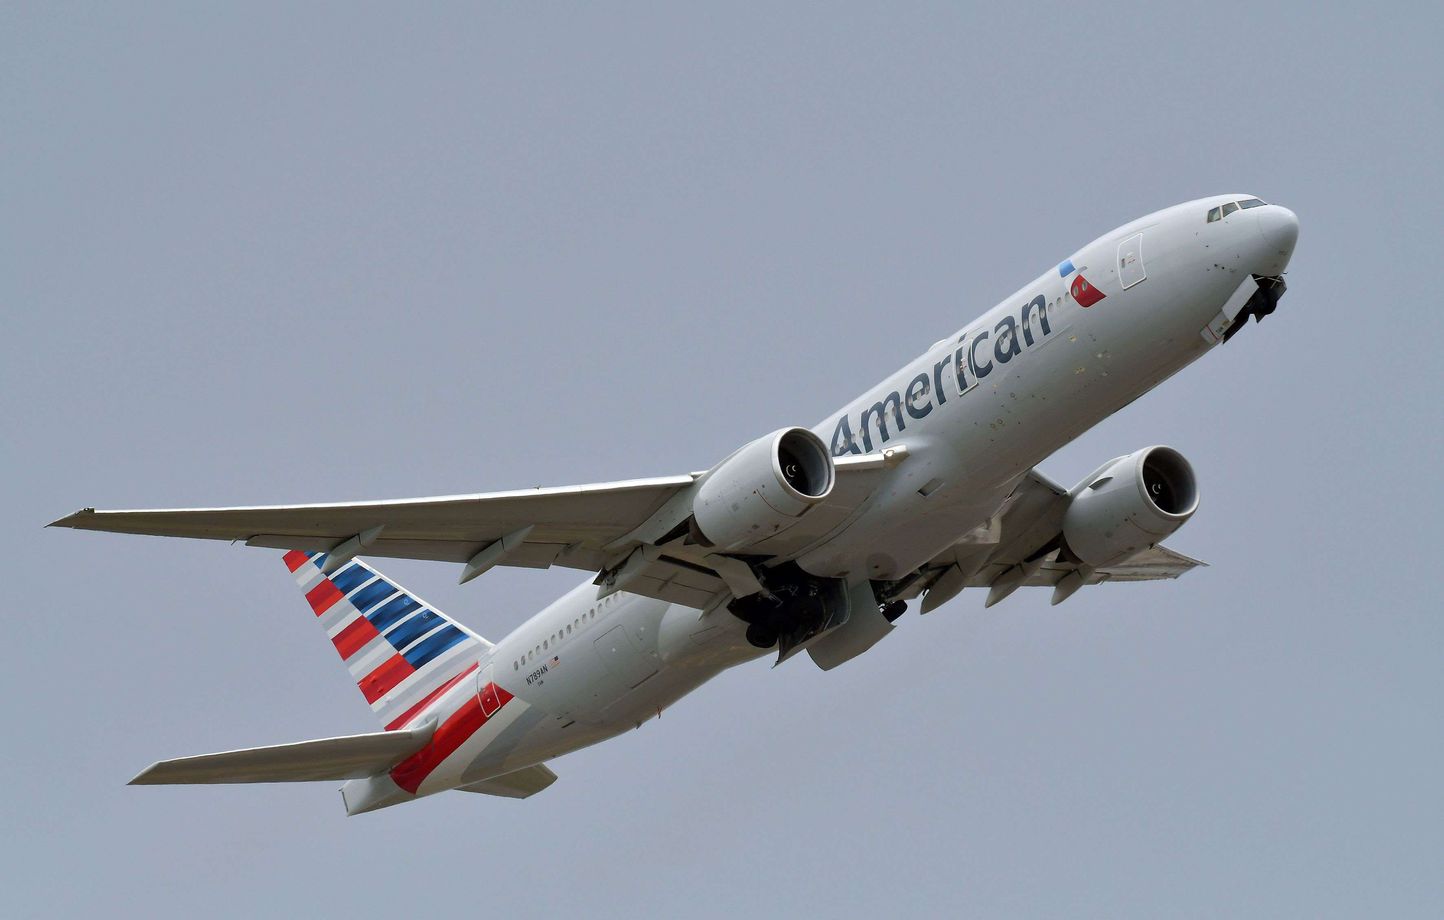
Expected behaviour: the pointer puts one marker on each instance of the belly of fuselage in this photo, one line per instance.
(625, 660)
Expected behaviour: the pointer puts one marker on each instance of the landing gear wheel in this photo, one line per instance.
(761, 635)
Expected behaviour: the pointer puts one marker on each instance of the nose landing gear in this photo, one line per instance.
(1263, 302)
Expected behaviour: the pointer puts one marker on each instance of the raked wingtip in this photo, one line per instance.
(70, 519)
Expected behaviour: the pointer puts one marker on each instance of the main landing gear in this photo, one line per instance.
(793, 607)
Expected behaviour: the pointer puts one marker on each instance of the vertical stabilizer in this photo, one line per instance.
(402, 652)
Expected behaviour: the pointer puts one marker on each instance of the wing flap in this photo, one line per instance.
(1158, 562)
(1149, 565)
(346, 757)
(533, 554)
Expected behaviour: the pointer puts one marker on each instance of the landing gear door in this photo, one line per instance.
(865, 626)
(1130, 261)
(486, 690)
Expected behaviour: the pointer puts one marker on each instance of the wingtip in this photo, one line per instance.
(70, 520)
(140, 778)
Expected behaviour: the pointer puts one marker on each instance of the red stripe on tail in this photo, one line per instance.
(295, 559)
(353, 638)
(379, 682)
(450, 735)
(323, 596)
(427, 700)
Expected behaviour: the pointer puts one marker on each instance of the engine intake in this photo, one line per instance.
(762, 489)
(1129, 504)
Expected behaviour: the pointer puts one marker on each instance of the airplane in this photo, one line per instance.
(803, 540)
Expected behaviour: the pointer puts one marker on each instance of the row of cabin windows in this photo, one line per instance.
(558, 636)
(1224, 210)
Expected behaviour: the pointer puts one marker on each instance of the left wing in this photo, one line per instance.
(1018, 547)
(628, 530)
(568, 525)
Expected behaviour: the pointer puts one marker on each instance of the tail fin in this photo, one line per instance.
(402, 652)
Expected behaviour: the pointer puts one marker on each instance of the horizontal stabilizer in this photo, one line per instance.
(347, 757)
(518, 784)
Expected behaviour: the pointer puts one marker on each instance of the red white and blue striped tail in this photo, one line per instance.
(402, 652)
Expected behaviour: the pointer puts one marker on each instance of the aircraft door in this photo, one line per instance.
(490, 700)
(1130, 261)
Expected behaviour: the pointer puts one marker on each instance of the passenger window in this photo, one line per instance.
(1215, 214)
(569, 629)
(1229, 208)
(1251, 203)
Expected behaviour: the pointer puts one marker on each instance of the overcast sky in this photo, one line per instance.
(269, 255)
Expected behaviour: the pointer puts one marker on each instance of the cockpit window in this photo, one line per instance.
(1222, 211)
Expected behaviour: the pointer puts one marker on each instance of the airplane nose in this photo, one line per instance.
(1279, 228)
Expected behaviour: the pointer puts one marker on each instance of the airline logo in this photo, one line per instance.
(1084, 293)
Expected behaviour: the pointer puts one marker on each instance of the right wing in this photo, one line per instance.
(1019, 547)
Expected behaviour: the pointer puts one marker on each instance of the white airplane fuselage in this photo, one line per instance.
(977, 411)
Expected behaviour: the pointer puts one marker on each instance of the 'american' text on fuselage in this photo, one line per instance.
(970, 363)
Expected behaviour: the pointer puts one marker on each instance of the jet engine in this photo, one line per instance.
(761, 489)
(1129, 504)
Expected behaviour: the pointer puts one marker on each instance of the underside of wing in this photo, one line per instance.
(1156, 562)
(566, 526)
(639, 535)
(1021, 546)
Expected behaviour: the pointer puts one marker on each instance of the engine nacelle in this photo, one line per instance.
(762, 489)
(1129, 505)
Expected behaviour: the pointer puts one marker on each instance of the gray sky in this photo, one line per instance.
(266, 255)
